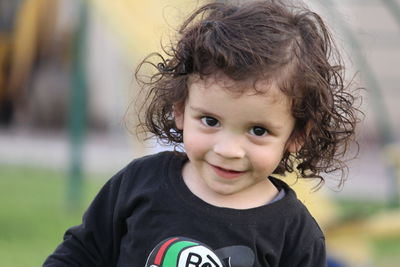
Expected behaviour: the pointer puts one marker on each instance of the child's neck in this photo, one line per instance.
(254, 196)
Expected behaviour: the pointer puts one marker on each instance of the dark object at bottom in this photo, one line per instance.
(6, 112)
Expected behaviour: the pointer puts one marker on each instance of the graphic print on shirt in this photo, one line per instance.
(185, 252)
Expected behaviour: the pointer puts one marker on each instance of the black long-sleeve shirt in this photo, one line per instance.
(146, 216)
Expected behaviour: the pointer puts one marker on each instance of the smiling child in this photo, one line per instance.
(249, 90)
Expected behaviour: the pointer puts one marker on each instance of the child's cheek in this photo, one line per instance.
(266, 159)
(196, 144)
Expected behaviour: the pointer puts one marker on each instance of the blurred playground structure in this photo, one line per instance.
(66, 80)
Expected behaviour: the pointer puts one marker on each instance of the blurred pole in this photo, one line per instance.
(77, 113)
(393, 153)
(384, 127)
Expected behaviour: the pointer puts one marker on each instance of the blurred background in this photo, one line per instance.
(66, 92)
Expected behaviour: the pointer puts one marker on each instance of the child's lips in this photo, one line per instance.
(226, 173)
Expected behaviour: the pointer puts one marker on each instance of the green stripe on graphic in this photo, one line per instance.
(171, 257)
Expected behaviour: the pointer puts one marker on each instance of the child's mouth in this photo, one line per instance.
(226, 173)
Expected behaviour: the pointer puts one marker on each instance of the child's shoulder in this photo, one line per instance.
(155, 161)
(150, 169)
(295, 214)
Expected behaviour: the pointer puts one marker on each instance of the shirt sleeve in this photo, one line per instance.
(95, 241)
(312, 256)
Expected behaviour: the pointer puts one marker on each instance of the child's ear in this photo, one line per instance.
(178, 116)
(295, 145)
(296, 141)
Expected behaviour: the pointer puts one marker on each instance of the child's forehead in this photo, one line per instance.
(252, 86)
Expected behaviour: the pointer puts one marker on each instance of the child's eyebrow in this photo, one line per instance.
(203, 111)
(199, 110)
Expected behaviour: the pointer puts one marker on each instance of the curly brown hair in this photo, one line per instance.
(261, 39)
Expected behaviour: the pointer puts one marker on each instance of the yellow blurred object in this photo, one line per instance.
(5, 44)
(140, 24)
(24, 44)
(350, 242)
(30, 28)
(384, 224)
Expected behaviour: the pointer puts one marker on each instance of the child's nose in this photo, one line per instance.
(228, 146)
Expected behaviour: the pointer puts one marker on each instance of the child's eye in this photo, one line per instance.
(258, 131)
(209, 121)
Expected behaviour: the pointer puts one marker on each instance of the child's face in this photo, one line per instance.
(234, 141)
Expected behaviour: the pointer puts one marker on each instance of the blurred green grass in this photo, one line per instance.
(387, 251)
(34, 216)
(34, 213)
